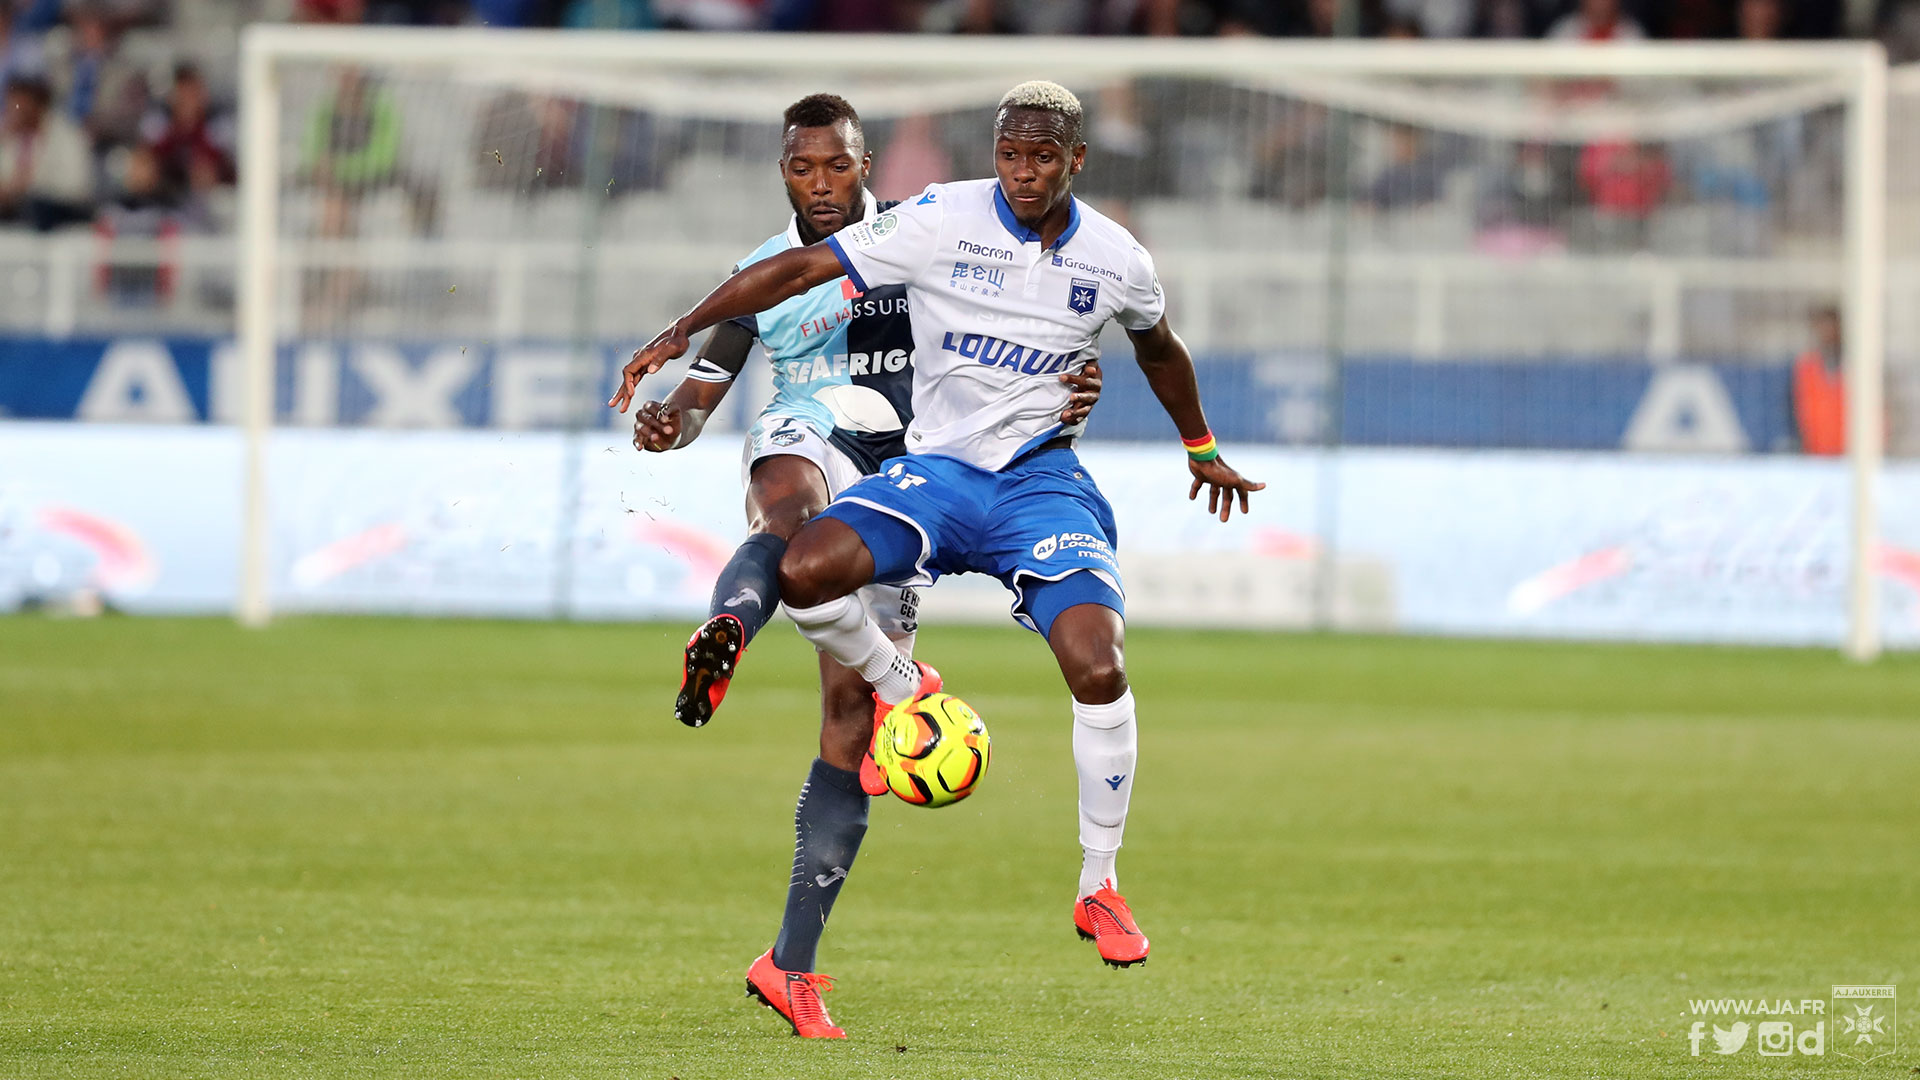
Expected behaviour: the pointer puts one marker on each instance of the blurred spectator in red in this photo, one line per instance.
(1625, 182)
(191, 144)
(1819, 391)
(1625, 178)
(104, 92)
(46, 168)
(1597, 20)
(346, 12)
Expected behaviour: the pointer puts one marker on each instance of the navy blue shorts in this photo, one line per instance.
(1035, 525)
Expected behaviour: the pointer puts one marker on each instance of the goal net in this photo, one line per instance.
(1527, 340)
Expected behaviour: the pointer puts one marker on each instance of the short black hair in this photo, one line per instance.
(821, 110)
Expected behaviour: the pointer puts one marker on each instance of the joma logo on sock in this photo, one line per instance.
(824, 880)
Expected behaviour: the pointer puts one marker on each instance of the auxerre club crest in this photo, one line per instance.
(1083, 295)
(1866, 1022)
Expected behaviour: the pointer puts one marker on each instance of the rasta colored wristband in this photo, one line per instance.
(1202, 448)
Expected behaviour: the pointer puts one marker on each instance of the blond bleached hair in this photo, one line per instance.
(1046, 97)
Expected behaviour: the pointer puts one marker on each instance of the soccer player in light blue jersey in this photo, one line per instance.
(1011, 280)
(842, 360)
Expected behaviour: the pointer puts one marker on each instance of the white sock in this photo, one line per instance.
(1104, 751)
(843, 630)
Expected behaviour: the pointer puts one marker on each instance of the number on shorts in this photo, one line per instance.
(903, 479)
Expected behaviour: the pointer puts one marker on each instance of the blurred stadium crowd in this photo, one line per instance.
(1606, 20)
(119, 113)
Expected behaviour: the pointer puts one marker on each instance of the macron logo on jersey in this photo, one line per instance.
(985, 252)
(995, 352)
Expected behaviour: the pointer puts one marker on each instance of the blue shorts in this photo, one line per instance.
(1035, 525)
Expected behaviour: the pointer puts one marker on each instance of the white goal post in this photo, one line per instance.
(1857, 71)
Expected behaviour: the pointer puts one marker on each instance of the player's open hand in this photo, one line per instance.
(1085, 386)
(648, 359)
(1221, 481)
(656, 427)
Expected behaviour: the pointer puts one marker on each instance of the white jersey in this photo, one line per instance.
(996, 318)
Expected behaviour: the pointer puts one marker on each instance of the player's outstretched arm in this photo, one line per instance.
(1169, 370)
(671, 424)
(749, 292)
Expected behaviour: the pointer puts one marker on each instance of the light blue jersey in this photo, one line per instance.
(842, 359)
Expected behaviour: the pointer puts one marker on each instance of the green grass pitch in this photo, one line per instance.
(361, 847)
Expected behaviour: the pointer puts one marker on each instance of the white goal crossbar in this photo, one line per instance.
(1855, 72)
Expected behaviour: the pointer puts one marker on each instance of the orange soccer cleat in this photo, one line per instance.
(712, 653)
(871, 781)
(795, 995)
(1104, 919)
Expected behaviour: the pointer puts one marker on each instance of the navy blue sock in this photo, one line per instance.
(749, 585)
(828, 825)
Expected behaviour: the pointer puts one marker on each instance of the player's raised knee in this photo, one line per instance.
(825, 561)
(804, 570)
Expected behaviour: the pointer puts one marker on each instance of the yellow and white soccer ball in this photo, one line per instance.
(932, 751)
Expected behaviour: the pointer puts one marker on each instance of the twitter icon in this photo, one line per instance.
(1730, 1042)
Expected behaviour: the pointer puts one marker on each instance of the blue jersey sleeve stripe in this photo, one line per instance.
(833, 244)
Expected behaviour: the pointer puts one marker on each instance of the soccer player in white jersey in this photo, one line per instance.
(842, 361)
(1011, 280)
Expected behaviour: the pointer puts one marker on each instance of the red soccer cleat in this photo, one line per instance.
(871, 781)
(794, 995)
(1104, 919)
(712, 653)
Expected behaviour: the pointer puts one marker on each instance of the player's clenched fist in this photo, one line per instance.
(656, 427)
(647, 359)
(1221, 481)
